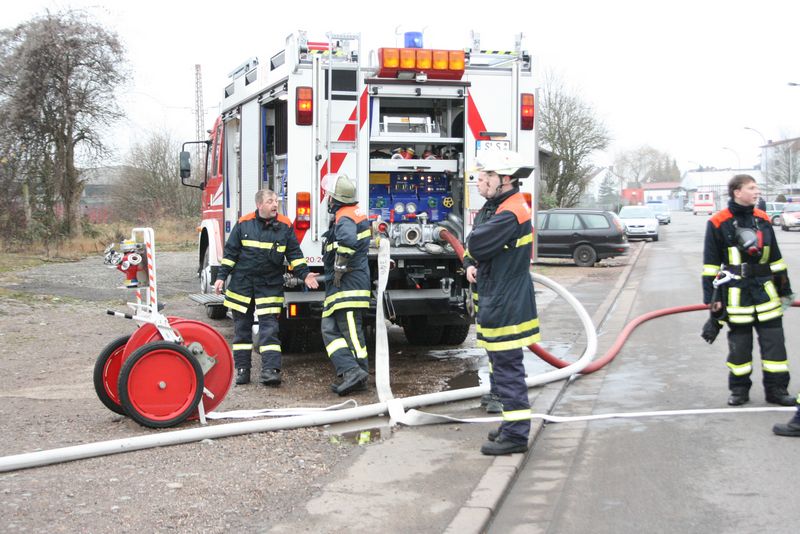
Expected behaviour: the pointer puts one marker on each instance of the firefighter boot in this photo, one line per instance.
(352, 379)
(493, 434)
(791, 429)
(270, 377)
(738, 397)
(780, 397)
(501, 446)
(492, 404)
(242, 376)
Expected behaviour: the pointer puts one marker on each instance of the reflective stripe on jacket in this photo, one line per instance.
(500, 245)
(349, 236)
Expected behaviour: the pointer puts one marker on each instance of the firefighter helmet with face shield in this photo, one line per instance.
(340, 187)
(504, 163)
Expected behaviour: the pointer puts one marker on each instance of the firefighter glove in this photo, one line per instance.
(339, 268)
(786, 301)
(710, 330)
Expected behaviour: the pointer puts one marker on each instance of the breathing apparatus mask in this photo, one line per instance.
(749, 240)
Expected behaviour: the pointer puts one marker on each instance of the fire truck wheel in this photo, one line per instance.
(106, 374)
(216, 312)
(455, 334)
(419, 332)
(160, 384)
(206, 282)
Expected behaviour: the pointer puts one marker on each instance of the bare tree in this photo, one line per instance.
(572, 131)
(58, 73)
(150, 186)
(646, 164)
(784, 162)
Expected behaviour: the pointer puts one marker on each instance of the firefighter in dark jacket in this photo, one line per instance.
(254, 257)
(347, 290)
(740, 246)
(497, 259)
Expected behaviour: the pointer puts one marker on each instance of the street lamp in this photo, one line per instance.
(765, 152)
(738, 159)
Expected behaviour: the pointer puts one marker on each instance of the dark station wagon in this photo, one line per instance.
(587, 236)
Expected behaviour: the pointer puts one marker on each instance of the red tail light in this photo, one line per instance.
(302, 220)
(526, 112)
(305, 106)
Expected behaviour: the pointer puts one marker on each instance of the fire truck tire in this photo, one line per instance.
(300, 338)
(455, 334)
(160, 384)
(106, 374)
(216, 312)
(206, 281)
(419, 332)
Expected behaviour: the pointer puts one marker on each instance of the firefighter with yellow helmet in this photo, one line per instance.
(347, 291)
(497, 260)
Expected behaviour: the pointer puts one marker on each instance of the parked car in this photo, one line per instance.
(662, 212)
(640, 222)
(790, 216)
(584, 235)
(774, 210)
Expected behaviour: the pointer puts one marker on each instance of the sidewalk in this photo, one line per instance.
(434, 478)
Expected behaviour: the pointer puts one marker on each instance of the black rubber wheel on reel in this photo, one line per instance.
(160, 384)
(106, 373)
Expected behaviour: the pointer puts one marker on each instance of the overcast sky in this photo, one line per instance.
(684, 77)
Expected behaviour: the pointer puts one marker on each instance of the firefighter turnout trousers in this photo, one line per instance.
(266, 308)
(774, 361)
(343, 335)
(509, 384)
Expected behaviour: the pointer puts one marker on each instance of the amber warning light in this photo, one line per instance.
(436, 64)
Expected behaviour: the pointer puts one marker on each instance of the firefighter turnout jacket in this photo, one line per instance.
(348, 236)
(254, 257)
(500, 246)
(759, 274)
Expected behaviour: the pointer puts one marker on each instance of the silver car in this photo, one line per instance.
(640, 222)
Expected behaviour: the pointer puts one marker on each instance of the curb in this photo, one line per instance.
(476, 514)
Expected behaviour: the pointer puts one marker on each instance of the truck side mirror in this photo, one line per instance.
(186, 165)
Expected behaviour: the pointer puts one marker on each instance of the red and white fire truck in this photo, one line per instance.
(405, 123)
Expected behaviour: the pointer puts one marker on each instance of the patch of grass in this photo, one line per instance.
(170, 234)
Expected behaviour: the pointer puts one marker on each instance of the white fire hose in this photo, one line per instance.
(395, 407)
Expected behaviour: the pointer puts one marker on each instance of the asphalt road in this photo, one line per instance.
(710, 473)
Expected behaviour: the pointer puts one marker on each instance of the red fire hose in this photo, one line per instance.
(621, 338)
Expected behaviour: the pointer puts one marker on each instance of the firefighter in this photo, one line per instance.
(254, 257)
(347, 290)
(497, 259)
(740, 244)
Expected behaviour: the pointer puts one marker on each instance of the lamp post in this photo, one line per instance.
(738, 159)
(765, 156)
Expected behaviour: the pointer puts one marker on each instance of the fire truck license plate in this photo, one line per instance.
(504, 144)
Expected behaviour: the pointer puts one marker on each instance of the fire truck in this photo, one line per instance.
(406, 124)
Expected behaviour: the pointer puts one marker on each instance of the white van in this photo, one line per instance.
(704, 203)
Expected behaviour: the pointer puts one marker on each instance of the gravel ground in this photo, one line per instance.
(52, 327)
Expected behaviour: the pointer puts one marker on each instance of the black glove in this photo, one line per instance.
(711, 330)
(339, 268)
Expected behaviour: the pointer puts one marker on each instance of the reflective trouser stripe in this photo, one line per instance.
(242, 346)
(775, 367)
(336, 344)
(269, 300)
(740, 369)
(520, 328)
(236, 296)
(361, 352)
(345, 305)
(490, 367)
(267, 311)
(234, 306)
(517, 415)
(265, 348)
